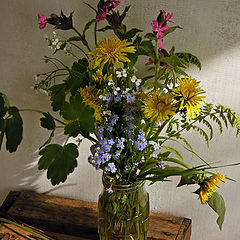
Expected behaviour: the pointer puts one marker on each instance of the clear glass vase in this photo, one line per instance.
(123, 214)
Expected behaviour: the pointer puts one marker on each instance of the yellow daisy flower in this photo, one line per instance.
(188, 96)
(99, 77)
(209, 187)
(91, 98)
(158, 105)
(110, 50)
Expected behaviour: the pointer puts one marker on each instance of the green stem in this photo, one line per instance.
(51, 58)
(38, 111)
(24, 228)
(95, 32)
(161, 128)
(185, 128)
(177, 161)
(82, 38)
(157, 62)
(75, 45)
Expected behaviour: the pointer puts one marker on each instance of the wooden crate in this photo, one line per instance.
(69, 219)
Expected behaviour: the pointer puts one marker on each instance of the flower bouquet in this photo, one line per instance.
(129, 120)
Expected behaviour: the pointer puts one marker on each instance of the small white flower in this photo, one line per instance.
(108, 112)
(137, 172)
(118, 74)
(110, 82)
(138, 82)
(56, 40)
(115, 92)
(143, 121)
(58, 46)
(133, 79)
(118, 88)
(124, 73)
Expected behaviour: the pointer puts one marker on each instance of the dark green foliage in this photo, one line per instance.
(189, 58)
(78, 77)
(57, 93)
(80, 116)
(47, 121)
(14, 129)
(11, 124)
(216, 202)
(58, 161)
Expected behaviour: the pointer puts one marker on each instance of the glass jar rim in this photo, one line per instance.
(108, 184)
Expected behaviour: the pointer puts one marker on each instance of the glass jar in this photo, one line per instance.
(123, 211)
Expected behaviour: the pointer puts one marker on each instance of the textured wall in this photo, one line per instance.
(211, 31)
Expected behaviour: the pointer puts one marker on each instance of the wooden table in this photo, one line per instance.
(69, 219)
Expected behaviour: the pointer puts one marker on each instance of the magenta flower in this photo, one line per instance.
(160, 44)
(54, 15)
(157, 28)
(109, 5)
(116, 3)
(149, 62)
(102, 16)
(42, 20)
(168, 17)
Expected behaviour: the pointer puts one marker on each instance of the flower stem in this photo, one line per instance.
(38, 111)
(95, 32)
(24, 228)
(82, 38)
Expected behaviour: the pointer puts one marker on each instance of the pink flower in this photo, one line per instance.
(168, 17)
(102, 16)
(54, 15)
(42, 20)
(157, 27)
(160, 44)
(116, 3)
(149, 62)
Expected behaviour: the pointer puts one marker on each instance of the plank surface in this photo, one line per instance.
(70, 219)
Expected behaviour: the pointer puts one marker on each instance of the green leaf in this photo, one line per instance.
(57, 96)
(216, 202)
(146, 48)
(186, 180)
(87, 26)
(105, 29)
(3, 108)
(79, 76)
(177, 153)
(151, 36)
(91, 7)
(131, 33)
(174, 61)
(190, 58)
(47, 121)
(75, 38)
(13, 130)
(171, 29)
(80, 116)
(58, 161)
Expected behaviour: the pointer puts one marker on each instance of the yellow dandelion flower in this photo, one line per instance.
(158, 105)
(91, 98)
(209, 187)
(99, 77)
(110, 50)
(188, 95)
